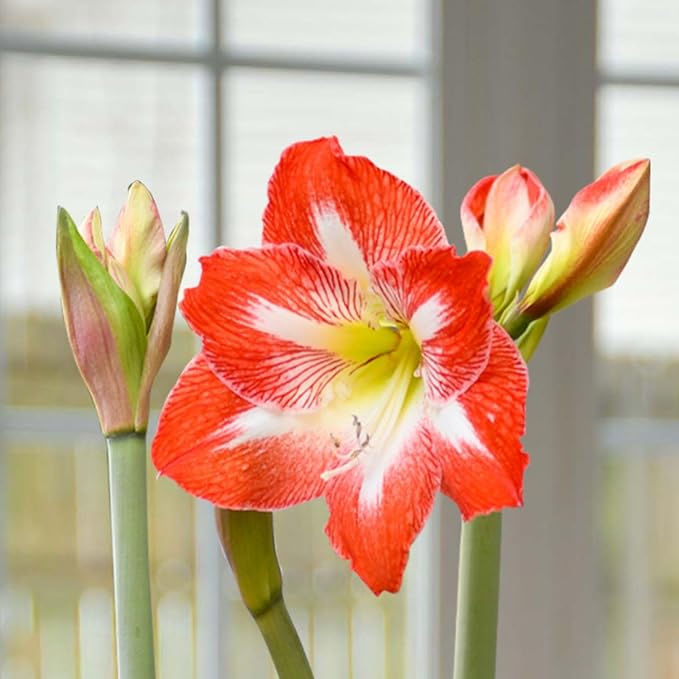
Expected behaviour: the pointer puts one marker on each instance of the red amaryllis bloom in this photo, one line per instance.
(354, 357)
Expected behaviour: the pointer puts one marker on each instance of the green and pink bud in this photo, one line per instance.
(119, 302)
(509, 216)
(593, 240)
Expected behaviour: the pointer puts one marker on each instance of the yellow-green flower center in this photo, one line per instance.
(370, 400)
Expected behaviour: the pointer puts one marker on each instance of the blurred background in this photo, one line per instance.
(197, 98)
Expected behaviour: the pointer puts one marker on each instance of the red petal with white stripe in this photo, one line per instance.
(478, 435)
(268, 318)
(441, 297)
(345, 209)
(373, 522)
(219, 447)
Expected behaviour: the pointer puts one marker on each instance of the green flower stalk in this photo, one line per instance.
(119, 302)
(478, 584)
(248, 543)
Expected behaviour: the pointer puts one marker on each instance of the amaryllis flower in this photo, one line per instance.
(354, 357)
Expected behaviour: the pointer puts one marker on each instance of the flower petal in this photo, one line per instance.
(160, 333)
(93, 235)
(344, 209)
(442, 299)
(519, 218)
(473, 212)
(373, 521)
(219, 447)
(278, 324)
(478, 435)
(138, 245)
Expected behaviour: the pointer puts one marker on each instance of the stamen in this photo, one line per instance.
(327, 475)
(357, 426)
(352, 457)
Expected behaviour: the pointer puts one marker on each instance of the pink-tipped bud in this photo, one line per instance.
(509, 216)
(593, 240)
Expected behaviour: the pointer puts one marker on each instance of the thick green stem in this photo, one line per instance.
(129, 531)
(248, 543)
(283, 642)
(478, 585)
(477, 598)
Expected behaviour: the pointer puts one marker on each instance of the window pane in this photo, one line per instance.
(637, 332)
(639, 33)
(151, 20)
(76, 134)
(56, 602)
(382, 118)
(634, 316)
(378, 28)
(640, 558)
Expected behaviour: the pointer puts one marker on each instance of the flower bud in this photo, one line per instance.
(593, 240)
(509, 216)
(119, 302)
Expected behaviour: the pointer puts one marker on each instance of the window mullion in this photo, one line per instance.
(210, 601)
(3, 439)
